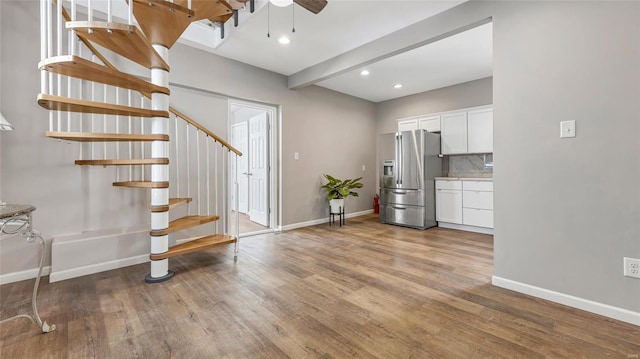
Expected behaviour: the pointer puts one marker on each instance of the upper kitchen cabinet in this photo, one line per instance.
(454, 133)
(480, 131)
(430, 123)
(408, 125)
(467, 131)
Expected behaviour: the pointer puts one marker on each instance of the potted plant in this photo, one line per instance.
(338, 190)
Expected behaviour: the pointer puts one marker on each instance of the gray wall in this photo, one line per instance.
(568, 210)
(331, 132)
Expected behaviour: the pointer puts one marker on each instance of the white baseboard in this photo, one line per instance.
(23, 275)
(569, 300)
(323, 220)
(97, 268)
(463, 227)
(96, 251)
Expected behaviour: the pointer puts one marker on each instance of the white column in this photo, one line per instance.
(159, 173)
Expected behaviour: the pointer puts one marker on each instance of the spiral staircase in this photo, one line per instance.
(125, 121)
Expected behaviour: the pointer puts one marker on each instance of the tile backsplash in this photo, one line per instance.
(468, 165)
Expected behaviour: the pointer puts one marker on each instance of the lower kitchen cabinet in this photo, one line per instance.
(468, 202)
(449, 201)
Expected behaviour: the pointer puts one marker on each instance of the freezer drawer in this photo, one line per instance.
(413, 197)
(410, 216)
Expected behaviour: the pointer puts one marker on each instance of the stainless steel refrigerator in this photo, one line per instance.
(410, 163)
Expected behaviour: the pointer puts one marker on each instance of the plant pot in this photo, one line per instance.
(337, 205)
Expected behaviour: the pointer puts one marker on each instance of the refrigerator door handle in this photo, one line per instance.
(397, 169)
(399, 192)
(401, 159)
(399, 208)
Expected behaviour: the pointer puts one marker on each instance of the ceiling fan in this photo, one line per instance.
(315, 6)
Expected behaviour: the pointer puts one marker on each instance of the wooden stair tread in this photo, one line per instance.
(173, 203)
(141, 184)
(78, 67)
(195, 245)
(184, 223)
(104, 137)
(162, 22)
(125, 40)
(123, 162)
(59, 103)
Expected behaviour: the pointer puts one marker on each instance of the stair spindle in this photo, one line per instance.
(130, 131)
(198, 167)
(188, 171)
(208, 181)
(130, 14)
(215, 182)
(104, 122)
(142, 169)
(177, 160)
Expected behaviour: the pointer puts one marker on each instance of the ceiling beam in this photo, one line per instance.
(450, 22)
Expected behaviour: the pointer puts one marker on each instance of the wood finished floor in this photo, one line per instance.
(364, 290)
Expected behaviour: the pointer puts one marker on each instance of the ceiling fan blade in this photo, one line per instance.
(315, 6)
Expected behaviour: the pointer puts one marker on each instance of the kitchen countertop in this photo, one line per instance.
(464, 178)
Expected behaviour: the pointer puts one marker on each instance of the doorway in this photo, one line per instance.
(251, 132)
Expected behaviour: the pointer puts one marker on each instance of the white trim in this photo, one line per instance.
(97, 268)
(275, 153)
(569, 300)
(23, 275)
(323, 220)
(463, 227)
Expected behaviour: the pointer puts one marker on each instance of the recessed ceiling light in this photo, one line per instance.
(284, 40)
(364, 72)
(397, 86)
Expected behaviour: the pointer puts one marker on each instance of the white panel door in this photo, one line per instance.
(239, 139)
(259, 169)
(454, 133)
(480, 131)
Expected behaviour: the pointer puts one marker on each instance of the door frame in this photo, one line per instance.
(275, 158)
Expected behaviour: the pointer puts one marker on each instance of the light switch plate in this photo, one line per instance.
(567, 129)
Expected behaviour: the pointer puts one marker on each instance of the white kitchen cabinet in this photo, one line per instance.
(454, 133)
(477, 203)
(480, 131)
(408, 125)
(449, 201)
(467, 203)
(430, 123)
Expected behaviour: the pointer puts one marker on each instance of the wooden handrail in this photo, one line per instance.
(203, 129)
(197, 125)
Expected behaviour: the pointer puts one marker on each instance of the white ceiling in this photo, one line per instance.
(342, 26)
(459, 58)
(347, 24)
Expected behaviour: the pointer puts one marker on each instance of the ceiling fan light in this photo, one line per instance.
(281, 3)
(284, 40)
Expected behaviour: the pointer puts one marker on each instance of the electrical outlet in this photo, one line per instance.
(632, 267)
